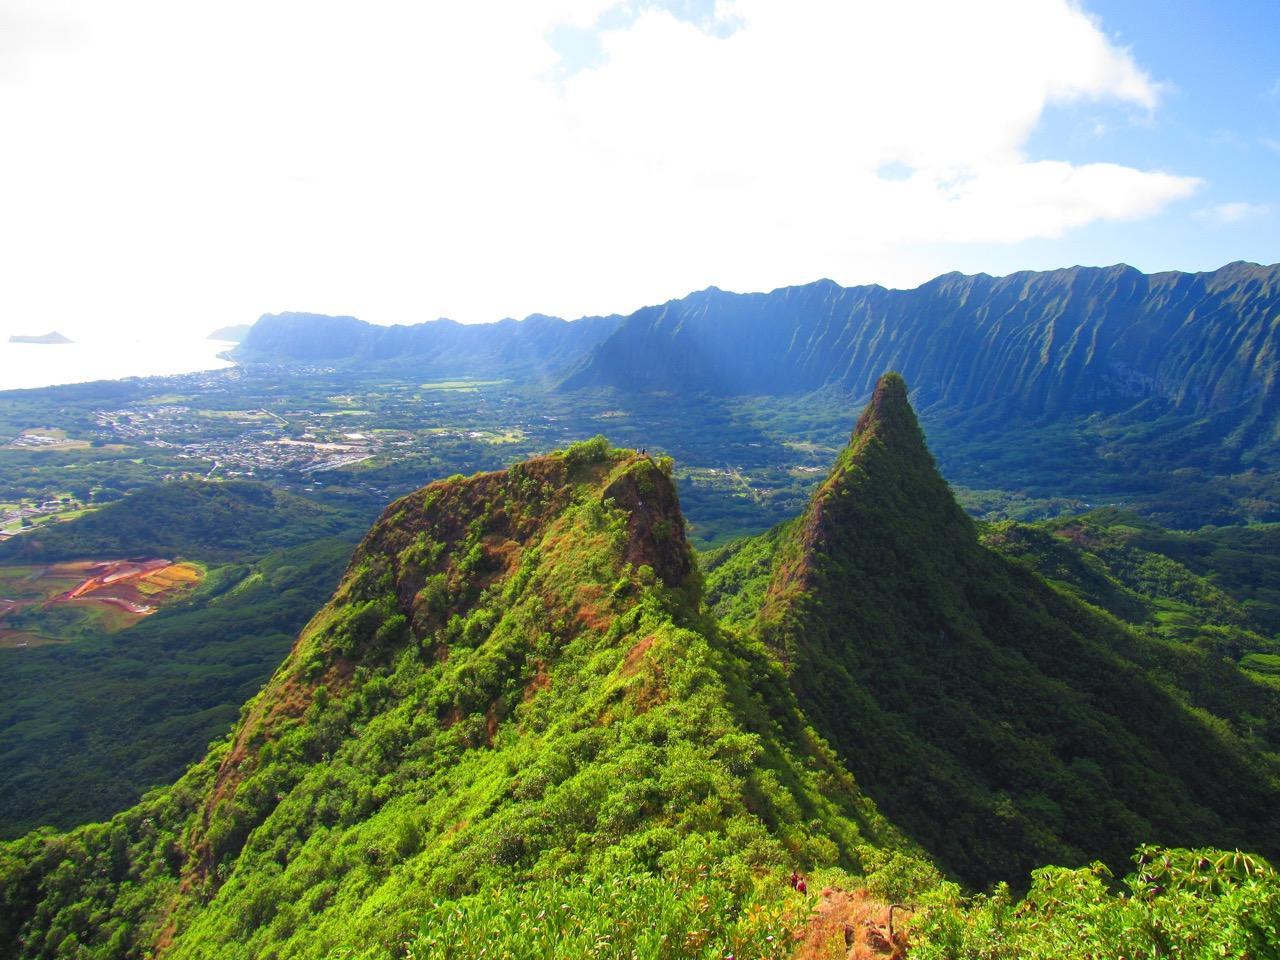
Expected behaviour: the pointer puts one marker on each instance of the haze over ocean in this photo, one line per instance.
(28, 365)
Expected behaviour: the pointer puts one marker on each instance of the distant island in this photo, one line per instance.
(53, 337)
(235, 333)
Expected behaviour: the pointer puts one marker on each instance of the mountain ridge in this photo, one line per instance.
(539, 345)
(1197, 351)
(520, 685)
(514, 679)
(963, 693)
(821, 335)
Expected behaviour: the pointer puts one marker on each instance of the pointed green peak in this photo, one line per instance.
(887, 441)
(884, 507)
(886, 475)
(888, 415)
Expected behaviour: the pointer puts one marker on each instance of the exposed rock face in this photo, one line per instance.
(655, 527)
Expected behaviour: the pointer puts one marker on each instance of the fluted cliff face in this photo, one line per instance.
(1036, 344)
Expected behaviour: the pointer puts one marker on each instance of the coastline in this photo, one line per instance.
(31, 366)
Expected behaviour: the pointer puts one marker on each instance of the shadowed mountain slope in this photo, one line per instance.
(1091, 338)
(999, 722)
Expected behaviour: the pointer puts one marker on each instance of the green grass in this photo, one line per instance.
(459, 386)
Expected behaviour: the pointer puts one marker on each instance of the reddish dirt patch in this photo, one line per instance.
(136, 587)
(655, 526)
(119, 593)
(631, 662)
(853, 926)
(491, 722)
(114, 572)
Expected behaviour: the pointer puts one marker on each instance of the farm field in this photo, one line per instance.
(59, 602)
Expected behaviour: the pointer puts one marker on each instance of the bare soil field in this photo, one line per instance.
(57, 602)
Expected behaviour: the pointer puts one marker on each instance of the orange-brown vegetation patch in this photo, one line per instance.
(491, 722)
(650, 689)
(650, 692)
(176, 576)
(631, 662)
(851, 926)
(541, 681)
(655, 526)
(590, 611)
(503, 553)
(1076, 534)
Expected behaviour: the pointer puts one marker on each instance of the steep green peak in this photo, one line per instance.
(884, 498)
(889, 416)
(887, 451)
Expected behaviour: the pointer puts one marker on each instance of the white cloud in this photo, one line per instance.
(180, 164)
(1236, 211)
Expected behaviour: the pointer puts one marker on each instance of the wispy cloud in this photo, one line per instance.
(1236, 211)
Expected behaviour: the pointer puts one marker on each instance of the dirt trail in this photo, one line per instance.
(851, 925)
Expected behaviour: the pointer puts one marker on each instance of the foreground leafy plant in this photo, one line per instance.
(1177, 903)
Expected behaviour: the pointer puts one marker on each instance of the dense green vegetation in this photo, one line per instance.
(86, 728)
(641, 915)
(1221, 576)
(1176, 903)
(525, 725)
(1000, 722)
(514, 681)
(189, 518)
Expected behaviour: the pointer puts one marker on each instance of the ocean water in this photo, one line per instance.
(24, 365)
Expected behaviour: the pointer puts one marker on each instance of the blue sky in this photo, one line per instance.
(176, 167)
(1218, 119)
